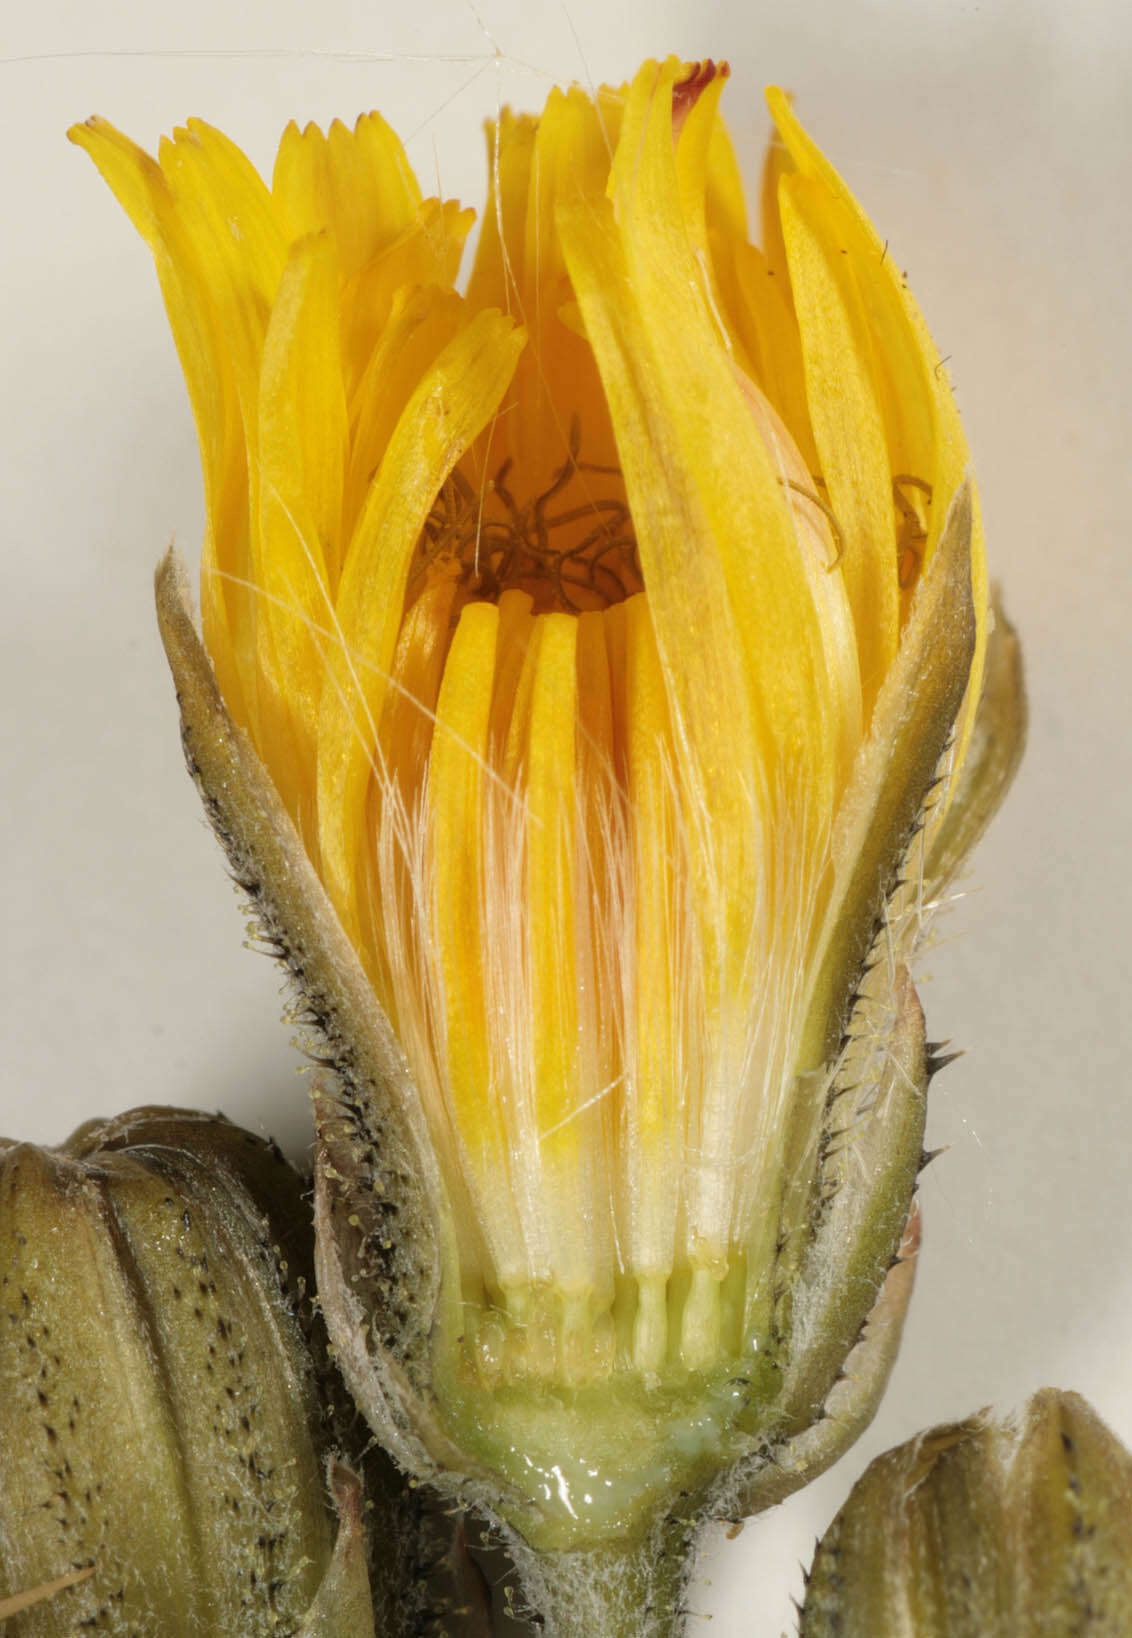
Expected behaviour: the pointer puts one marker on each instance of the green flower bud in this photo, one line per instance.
(978, 1530)
(163, 1438)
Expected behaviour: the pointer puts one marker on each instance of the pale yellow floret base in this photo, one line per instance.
(571, 1339)
(598, 1460)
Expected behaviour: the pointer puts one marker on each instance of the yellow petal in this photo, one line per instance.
(551, 800)
(229, 217)
(451, 405)
(926, 440)
(764, 332)
(906, 354)
(303, 413)
(395, 903)
(653, 1095)
(357, 184)
(683, 564)
(419, 327)
(456, 779)
(302, 449)
(726, 472)
(848, 424)
(494, 279)
(426, 253)
(407, 723)
(712, 204)
(726, 196)
(715, 537)
(599, 963)
(516, 628)
(777, 164)
(140, 186)
(819, 548)
(520, 265)
(700, 140)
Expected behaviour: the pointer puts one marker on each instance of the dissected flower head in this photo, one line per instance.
(606, 631)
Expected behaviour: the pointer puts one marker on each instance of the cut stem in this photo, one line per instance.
(628, 1590)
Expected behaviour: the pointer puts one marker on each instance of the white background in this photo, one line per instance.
(991, 144)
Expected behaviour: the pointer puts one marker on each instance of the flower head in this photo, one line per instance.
(601, 630)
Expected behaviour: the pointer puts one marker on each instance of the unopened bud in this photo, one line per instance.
(983, 1530)
(163, 1442)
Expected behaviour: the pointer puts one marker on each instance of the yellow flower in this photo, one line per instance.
(601, 629)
